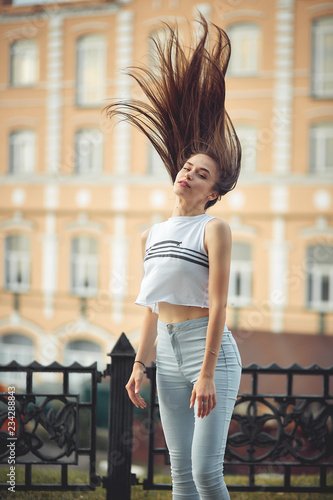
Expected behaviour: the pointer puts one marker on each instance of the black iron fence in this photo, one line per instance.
(40, 429)
(281, 428)
(280, 432)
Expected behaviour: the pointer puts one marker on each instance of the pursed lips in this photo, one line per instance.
(184, 183)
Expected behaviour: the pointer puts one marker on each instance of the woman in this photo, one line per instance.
(187, 260)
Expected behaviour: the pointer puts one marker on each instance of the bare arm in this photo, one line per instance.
(147, 340)
(218, 242)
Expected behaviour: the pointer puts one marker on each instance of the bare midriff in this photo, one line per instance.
(171, 313)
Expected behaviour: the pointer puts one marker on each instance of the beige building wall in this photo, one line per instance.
(278, 209)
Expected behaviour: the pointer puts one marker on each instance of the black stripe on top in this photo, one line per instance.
(177, 256)
(164, 242)
(172, 248)
(162, 245)
(196, 256)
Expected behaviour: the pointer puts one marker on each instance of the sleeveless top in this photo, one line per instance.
(176, 263)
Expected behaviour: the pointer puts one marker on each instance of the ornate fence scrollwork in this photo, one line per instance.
(295, 422)
(59, 425)
(48, 427)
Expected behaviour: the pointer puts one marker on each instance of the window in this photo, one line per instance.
(321, 145)
(16, 347)
(91, 75)
(322, 57)
(84, 266)
(22, 149)
(86, 353)
(88, 151)
(159, 35)
(155, 164)
(245, 43)
(17, 263)
(23, 63)
(20, 348)
(239, 293)
(247, 134)
(320, 277)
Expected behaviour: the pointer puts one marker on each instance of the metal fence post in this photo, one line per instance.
(118, 480)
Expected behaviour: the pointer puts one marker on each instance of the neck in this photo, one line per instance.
(185, 210)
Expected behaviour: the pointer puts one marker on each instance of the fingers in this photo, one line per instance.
(135, 397)
(204, 407)
(133, 390)
(205, 404)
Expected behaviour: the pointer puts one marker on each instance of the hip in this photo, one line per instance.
(182, 345)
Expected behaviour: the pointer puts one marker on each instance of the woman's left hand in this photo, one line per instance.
(204, 393)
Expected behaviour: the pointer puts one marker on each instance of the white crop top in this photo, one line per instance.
(176, 263)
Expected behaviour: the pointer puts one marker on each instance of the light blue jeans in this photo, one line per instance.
(196, 445)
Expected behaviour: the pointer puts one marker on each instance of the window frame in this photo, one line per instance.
(317, 92)
(243, 268)
(317, 150)
(82, 44)
(249, 129)
(316, 271)
(12, 257)
(35, 63)
(95, 151)
(239, 72)
(14, 144)
(82, 262)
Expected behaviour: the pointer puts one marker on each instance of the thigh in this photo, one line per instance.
(211, 432)
(174, 393)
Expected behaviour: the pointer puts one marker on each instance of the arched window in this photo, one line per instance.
(17, 263)
(322, 57)
(23, 62)
(245, 54)
(86, 353)
(91, 70)
(88, 151)
(321, 147)
(247, 134)
(19, 348)
(84, 266)
(16, 347)
(22, 151)
(319, 294)
(240, 275)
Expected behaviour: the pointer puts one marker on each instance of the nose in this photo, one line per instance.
(188, 175)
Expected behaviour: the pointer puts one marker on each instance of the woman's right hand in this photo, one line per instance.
(133, 386)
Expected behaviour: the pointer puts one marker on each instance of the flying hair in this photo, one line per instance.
(184, 111)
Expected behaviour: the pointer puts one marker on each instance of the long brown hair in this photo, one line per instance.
(184, 113)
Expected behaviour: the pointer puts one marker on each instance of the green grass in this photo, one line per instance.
(137, 493)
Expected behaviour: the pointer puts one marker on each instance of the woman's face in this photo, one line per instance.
(196, 179)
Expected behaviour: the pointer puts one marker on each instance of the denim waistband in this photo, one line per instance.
(191, 323)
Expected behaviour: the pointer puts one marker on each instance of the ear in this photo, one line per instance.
(213, 195)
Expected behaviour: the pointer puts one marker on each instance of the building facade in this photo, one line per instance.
(76, 193)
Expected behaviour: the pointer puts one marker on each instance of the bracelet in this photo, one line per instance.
(136, 361)
(211, 350)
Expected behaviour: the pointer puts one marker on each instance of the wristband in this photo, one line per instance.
(136, 361)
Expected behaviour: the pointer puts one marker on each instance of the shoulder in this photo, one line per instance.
(144, 237)
(218, 227)
(218, 232)
(145, 234)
